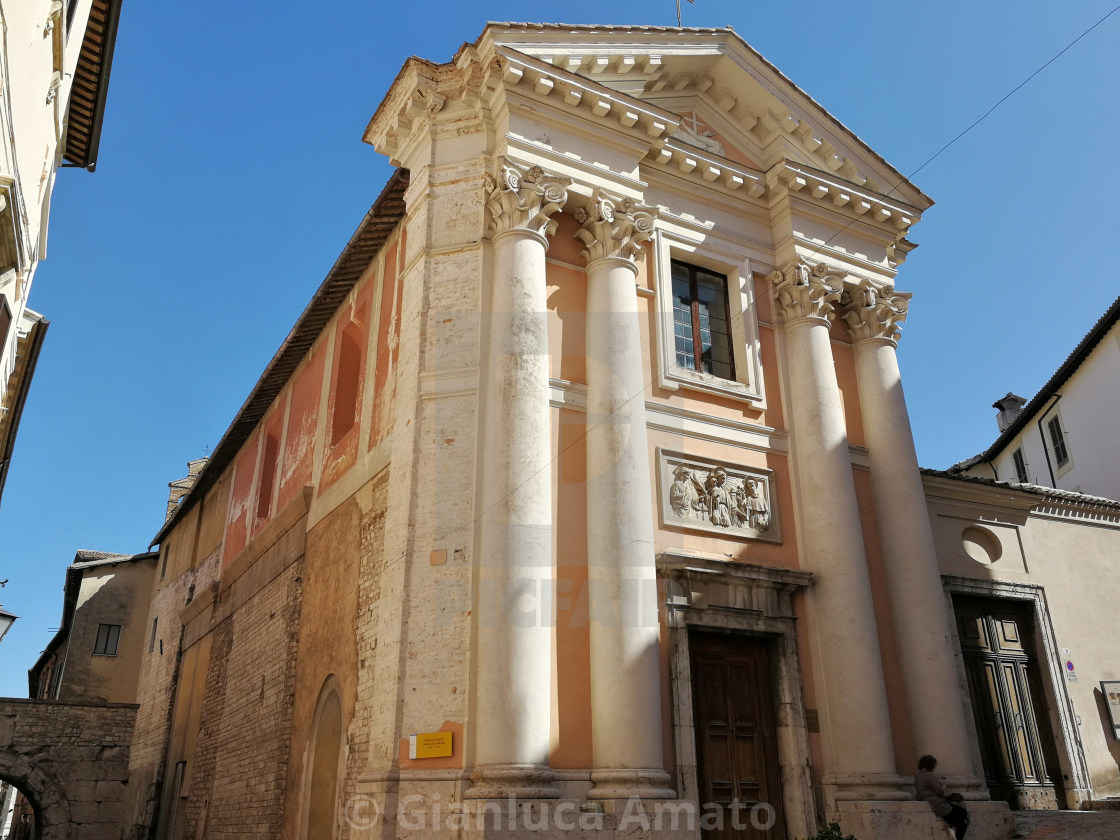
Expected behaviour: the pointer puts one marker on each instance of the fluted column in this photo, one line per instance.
(622, 579)
(921, 622)
(859, 754)
(514, 677)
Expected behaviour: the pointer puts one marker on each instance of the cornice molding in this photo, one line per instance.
(576, 93)
(693, 163)
(844, 195)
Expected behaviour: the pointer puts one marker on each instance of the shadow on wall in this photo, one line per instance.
(1109, 735)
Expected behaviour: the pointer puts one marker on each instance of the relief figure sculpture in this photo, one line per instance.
(681, 494)
(719, 497)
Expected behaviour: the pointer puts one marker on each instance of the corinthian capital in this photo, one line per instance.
(874, 313)
(806, 291)
(613, 227)
(524, 198)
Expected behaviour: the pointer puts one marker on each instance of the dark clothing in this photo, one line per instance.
(929, 788)
(958, 819)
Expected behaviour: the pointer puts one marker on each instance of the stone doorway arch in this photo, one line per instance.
(71, 762)
(43, 790)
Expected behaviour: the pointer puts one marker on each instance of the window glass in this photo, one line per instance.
(701, 323)
(108, 636)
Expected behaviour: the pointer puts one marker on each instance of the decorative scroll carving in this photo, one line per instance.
(874, 313)
(806, 291)
(613, 227)
(524, 198)
(702, 495)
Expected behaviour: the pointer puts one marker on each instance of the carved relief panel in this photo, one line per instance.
(699, 494)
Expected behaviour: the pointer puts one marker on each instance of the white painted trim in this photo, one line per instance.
(746, 349)
(666, 417)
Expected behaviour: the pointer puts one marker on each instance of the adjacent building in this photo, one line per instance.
(55, 59)
(584, 489)
(1064, 436)
(95, 655)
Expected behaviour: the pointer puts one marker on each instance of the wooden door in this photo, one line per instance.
(736, 740)
(1006, 702)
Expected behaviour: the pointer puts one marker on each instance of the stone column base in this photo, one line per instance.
(874, 820)
(623, 784)
(512, 781)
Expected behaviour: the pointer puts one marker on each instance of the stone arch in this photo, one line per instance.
(323, 764)
(45, 793)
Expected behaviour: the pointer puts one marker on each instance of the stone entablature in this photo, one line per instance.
(734, 502)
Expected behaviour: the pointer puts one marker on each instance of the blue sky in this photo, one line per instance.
(232, 173)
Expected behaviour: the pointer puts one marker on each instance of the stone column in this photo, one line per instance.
(856, 730)
(622, 577)
(514, 671)
(921, 622)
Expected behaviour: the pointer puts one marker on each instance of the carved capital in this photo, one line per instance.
(805, 291)
(613, 227)
(875, 313)
(524, 198)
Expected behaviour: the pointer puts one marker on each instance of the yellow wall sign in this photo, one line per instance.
(429, 745)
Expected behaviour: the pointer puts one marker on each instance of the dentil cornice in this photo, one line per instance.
(523, 198)
(613, 227)
(874, 313)
(807, 292)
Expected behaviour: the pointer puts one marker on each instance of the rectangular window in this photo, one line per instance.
(269, 464)
(701, 325)
(108, 635)
(165, 550)
(152, 641)
(1058, 441)
(1020, 466)
(348, 373)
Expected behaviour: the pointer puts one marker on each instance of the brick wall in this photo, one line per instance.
(240, 768)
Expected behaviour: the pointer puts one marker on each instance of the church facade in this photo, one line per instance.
(583, 496)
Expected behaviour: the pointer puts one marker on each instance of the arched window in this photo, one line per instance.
(323, 765)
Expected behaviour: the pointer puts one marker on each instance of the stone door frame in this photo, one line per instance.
(712, 594)
(1071, 754)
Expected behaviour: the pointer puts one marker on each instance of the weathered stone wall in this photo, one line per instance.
(155, 692)
(71, 761)
(238, 781)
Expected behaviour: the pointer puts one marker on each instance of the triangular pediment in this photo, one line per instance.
(727, 95)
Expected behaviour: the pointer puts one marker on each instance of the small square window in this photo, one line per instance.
(108, 637)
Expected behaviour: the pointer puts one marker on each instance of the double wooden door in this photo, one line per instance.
(736, 739)
(1007, 702)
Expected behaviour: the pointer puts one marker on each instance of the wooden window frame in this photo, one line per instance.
(694, 295)
(1019, 462)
